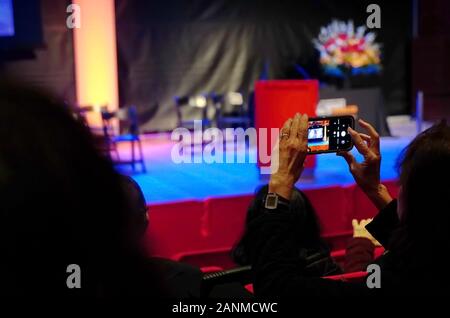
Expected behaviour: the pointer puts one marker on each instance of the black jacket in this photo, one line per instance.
(278, 268)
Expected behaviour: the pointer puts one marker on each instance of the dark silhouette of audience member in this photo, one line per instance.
(180, 280)
(138, 211)
(62, 203)
(305, 235)
(413, 229)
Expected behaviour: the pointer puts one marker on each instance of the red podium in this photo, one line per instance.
(277, 100)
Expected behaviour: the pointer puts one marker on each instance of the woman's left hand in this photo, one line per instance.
(293, 148)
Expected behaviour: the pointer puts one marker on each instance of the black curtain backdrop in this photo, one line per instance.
(168, 48)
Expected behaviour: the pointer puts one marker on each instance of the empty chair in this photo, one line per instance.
(79, 112)
(231, 110)
(192, 108)
(127, 116)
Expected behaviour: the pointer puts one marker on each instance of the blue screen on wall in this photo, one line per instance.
(6, 18)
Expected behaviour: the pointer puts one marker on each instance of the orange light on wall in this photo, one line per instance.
(96, 57)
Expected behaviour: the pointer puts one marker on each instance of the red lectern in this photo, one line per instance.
(277, 100)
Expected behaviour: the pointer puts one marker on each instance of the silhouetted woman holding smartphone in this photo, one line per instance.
(414, 228)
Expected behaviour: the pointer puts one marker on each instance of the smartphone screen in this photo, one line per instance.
(329, 134)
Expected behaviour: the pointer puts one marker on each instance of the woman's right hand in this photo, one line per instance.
(367, 173)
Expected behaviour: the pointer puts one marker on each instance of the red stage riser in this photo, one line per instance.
(203, 233)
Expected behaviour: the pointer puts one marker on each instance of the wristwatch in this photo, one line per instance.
(273, 200)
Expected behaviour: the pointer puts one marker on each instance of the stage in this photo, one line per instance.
(166, 181)
(206, 204)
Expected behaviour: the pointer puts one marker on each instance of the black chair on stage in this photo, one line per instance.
(128, 119)
(191, 109)
(231, 110)
(80, 112)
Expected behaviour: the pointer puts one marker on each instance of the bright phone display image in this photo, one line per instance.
(329, 134)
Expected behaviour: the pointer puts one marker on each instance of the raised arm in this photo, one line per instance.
(367, 173)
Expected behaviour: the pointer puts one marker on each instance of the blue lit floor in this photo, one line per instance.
(167, 181)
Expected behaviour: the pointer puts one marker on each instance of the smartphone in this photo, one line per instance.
(329, 134)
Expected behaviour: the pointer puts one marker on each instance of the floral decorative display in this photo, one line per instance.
(345, 51)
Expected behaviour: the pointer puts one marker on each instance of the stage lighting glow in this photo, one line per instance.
(96, 57)
(344, 50)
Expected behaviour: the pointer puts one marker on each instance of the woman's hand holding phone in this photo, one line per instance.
(367, 173)
(292, 148)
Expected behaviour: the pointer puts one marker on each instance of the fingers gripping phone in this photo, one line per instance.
(329, 134)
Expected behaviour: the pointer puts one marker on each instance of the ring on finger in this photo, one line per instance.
(284, 134)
